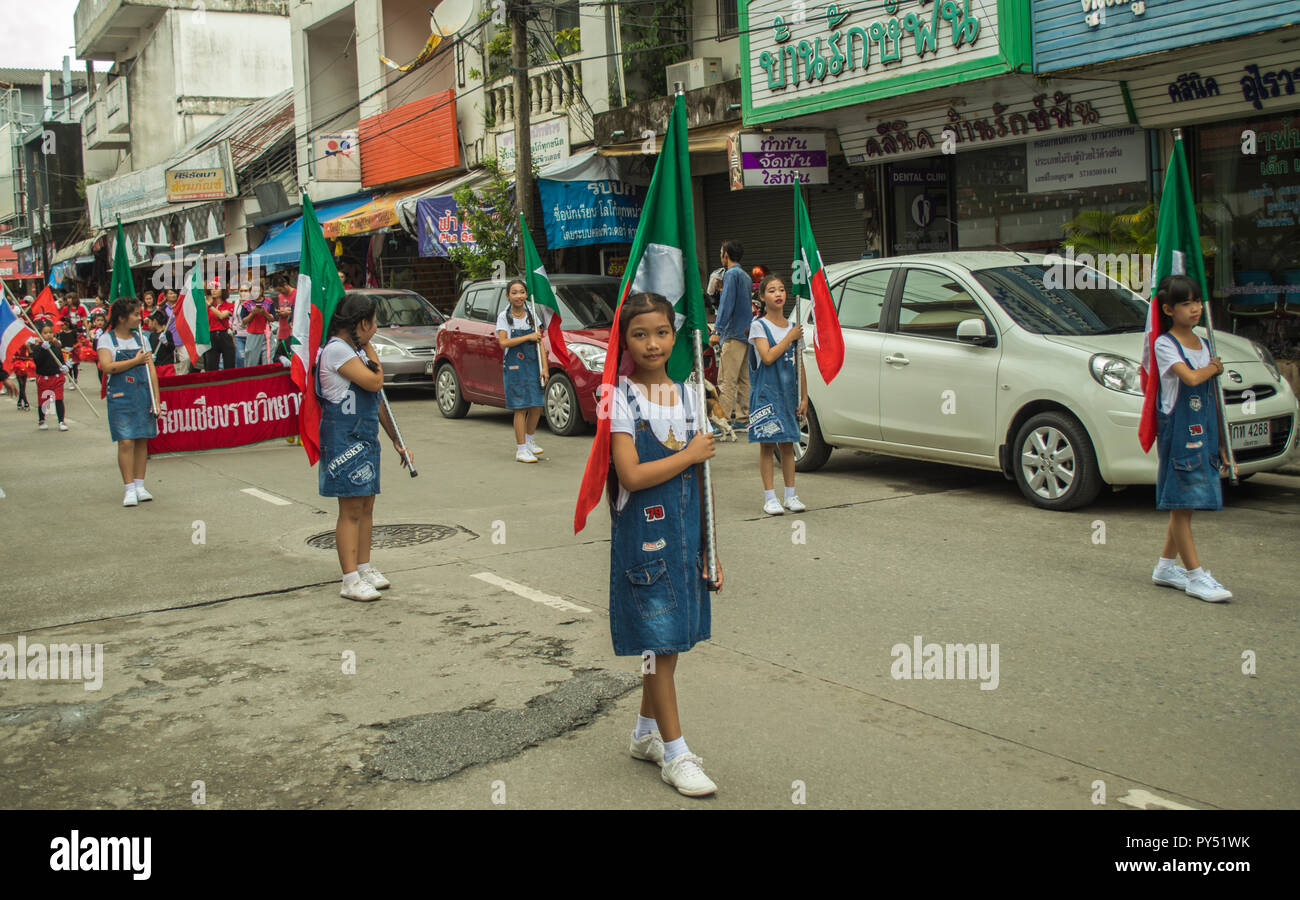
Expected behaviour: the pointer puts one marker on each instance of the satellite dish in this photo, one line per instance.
(450, 16)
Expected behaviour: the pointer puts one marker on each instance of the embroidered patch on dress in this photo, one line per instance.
(653, 513)
(1195, 403)
(651, 547)
(1195, 445)
(1196, 429)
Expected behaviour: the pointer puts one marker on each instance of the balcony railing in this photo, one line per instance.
(552, 88)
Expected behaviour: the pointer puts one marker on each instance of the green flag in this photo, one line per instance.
(121, 285)
(543, 295)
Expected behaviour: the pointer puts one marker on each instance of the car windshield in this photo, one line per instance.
(589, 305)
(405, 310)
(1065, 299)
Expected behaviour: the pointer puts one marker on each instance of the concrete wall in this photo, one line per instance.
(151, 91)
(704, 30)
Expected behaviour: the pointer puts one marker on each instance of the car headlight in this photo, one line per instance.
(1117, 373)
(591, 356)
(390, 351)
(1267, 359)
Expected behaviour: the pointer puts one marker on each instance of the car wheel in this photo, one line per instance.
(1054, 462)
(563, 416)
(451, 403)
(811, 453)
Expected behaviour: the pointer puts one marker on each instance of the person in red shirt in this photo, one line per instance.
(258, 315)
(284, 303)
(220, 309)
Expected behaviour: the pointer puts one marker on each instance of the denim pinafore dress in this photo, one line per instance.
(128, 398)
(521, 373)
(773, 396)
(1187, 444)
(658, 593)
(349, 443)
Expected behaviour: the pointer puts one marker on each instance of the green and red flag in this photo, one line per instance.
(121, 286)
(810, 284)
(1178, 252)
(319, 292)
(543, 295)
(192, 315)
(662, 261)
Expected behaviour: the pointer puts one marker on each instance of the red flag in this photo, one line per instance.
(1150, 381)
(596, 474)
(44, 307)
(810, 283)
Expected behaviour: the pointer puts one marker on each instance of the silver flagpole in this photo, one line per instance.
(710, 537)
(406, 454)
(537, 325)
(1218, 385)
(32, 325)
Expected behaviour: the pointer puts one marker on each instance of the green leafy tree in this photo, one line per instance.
(654, 35)
(491, 216)
(1105, 236)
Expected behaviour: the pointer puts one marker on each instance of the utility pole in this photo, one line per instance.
(523, 115)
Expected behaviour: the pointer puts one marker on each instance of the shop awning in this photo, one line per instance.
(74, 251)
(380, 212)
(284, 248)
(406, 206)
(705, 139)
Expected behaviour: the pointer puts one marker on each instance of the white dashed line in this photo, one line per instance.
(1147, 800)
(269, 498)
(530, 594)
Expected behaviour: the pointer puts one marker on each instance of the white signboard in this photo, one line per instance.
(550, 144)
(338, 157)
(766, 160)
(1086, 159)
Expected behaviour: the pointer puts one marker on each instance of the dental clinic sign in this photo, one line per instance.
(810, 56)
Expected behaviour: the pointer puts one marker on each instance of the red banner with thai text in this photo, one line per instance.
(228, 408)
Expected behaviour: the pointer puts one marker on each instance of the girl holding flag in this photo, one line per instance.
(658, 589)
(778, 393)
(51, 370)
(523, 373)
(132, 416)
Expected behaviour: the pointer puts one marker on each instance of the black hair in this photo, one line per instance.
(639, 304)
(121, 309)
(158, 316)
(734, 249)
(762, 285)
(1172, 290)
(528, 310)
(352, 310)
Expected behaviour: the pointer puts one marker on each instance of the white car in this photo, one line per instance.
(1000, 360)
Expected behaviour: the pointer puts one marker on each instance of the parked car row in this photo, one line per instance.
(977, 359)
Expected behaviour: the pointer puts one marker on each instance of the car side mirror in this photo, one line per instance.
(973, 331)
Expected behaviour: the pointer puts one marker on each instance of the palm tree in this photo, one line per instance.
(1109, 236)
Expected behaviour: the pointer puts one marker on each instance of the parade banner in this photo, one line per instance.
(228, 408)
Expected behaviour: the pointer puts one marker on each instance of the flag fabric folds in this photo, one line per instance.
(1178, 252)
(192, 315)
(662, 261)
(543, 295)
(44, 307)
(319, 293)
(13, 334)
(121, 285)
(810, 284)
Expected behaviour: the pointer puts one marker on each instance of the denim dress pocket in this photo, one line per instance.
(652, 589)
(1189, 471)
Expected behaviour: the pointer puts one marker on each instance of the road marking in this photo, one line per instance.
(269, 498)
(1146, 800)
(530, 593)
(2, 493)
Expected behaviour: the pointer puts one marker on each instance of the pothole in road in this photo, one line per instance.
(392, 537)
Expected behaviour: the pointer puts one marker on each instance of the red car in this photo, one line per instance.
(467, 363)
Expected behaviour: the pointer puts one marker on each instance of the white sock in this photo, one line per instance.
(139, 483)
(769, 495)
(364, 567)
(519, 447)
(674, 749)
(1195, 573)
(1165, 563)
(789, 492)
(644, 726)
(130, 488)
(351, 578)
(531, 439)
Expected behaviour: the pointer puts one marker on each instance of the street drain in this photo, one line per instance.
(389, 537)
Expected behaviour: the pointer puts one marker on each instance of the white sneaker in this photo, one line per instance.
(359, 591)
(650, 748)
(534, 449)
(43, 427)
(685, 774)
(773, 507)
(794, 504)
(1204, 587)
(373, 578)
(1170, 576)
(524, 455)
(143, 495)
(130, 499)
(62, 427)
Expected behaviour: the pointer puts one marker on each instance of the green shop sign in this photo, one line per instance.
(823, 56)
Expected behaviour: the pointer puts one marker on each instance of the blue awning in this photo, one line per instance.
(283, 247)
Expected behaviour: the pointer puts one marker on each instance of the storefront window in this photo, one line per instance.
(1252, 206)
(920, 207)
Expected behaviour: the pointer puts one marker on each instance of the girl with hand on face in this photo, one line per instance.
(348, 382)
(523, 376)
(132, 416)
(778, 397)
(658, 588)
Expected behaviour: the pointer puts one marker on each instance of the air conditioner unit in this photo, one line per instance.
(691, 74)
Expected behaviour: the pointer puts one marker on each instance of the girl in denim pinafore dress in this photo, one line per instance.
(778, 397)
(132, 419)
(658, 594)
(1188, 441)
(521, 372)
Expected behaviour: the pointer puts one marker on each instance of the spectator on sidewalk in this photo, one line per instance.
(735, 313)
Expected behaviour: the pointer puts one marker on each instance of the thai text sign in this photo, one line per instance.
(577, 213)
(763, 160)
(550, 143)
(187, 185)
(1087, 159)
(439, 227)
(230, 408)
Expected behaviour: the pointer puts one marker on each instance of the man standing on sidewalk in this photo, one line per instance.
(735, 313)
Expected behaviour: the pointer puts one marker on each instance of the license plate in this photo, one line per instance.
(428, 368)
(1249, 434)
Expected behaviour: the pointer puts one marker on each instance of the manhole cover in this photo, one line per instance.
(389, 537)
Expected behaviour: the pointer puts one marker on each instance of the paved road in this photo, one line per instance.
(224, 659)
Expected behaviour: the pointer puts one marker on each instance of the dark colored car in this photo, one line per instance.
(467, 367)
(407, 337)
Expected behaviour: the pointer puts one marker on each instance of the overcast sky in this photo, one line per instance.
(38, 33)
